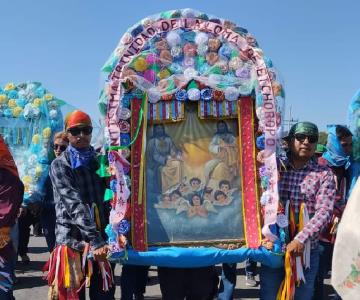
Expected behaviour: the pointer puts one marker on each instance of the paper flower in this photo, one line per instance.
(12, 103)
(47, 97)
(176, 51)
(181, 95)
(35, 139)
(193, 94)
(165, 73)
(214, 45)
(243, 73)
(13, 94)
(190, 73)
(37, 101)
(124, 227)
(235, 63)
(124, 126)
(165, 57)
(3, 98)
(140, 64)
(47, 132)
(154, 95)
(173, 39)
(21, 102)
(150, 75)
(38, 171)
(231, 93)
(223, 65)
(218, 95)
(206, 94)
(202, 49)
(189, 49)
(225, 51)
(212, 58)
(151, 58)
(10, 86)
(161, 45)
(201, 38)
(17, 111)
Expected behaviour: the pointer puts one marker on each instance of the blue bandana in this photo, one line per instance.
(335, 154)
(80, 158)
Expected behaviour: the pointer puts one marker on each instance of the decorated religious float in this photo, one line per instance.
(189, 102)
(29, 117)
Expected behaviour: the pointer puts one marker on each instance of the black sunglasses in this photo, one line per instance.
(75, 131)
(60, 147)
(302, 137)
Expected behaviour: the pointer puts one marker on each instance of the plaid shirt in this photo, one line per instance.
(75, 190)
(314, 185)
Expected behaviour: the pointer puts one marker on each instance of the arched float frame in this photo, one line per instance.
(248, 49)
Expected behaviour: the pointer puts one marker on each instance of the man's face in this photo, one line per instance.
(79, 136)
(303, 146)
(346, 144)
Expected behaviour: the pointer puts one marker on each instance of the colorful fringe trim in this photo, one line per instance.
(69, 271)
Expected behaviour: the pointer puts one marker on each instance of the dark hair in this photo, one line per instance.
(197, 195)
(224, 182)
(342, 132)
(195, 179)
(218, 193)
(175, 192)
(208, 190)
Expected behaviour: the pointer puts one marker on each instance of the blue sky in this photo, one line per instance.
(63, 44)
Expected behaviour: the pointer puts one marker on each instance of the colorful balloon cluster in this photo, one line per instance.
(29, 116)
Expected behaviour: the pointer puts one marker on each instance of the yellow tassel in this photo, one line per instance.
(67, 269)
(301, 217)
(97, 217)
(286, 290)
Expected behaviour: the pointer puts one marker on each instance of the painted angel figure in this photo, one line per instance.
(221, 199)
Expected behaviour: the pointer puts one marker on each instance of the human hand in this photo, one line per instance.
(22, 212)
(100, 253)
(295, 247)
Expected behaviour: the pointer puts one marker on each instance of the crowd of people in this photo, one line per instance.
(73, 217)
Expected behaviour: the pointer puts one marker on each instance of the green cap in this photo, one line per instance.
(307, 128)
(320, 148)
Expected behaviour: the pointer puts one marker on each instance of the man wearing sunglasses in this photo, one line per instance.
(80, 211)
(303, 183)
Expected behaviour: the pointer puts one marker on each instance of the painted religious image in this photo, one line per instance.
(193, 187)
